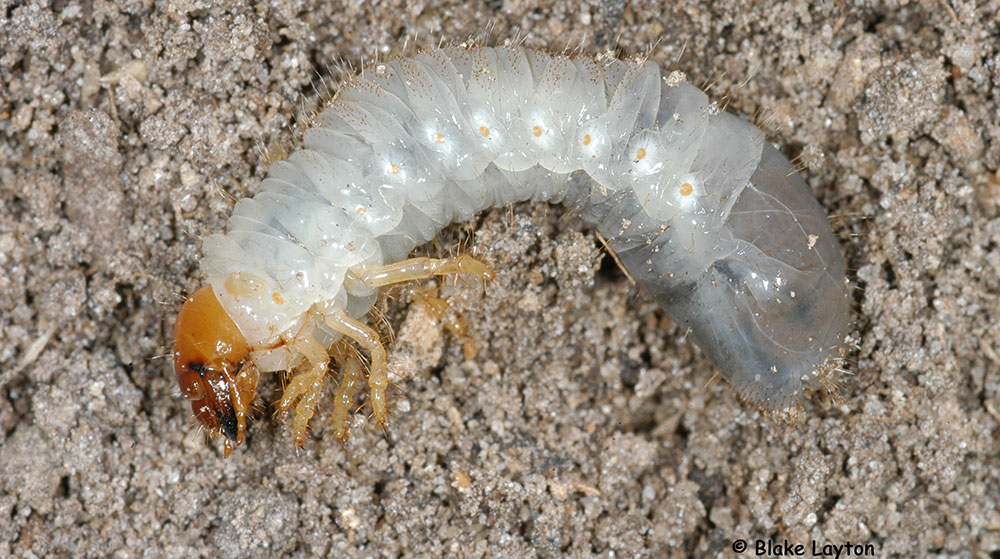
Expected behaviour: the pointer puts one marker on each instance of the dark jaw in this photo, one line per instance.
(219, 401)
(228, 424)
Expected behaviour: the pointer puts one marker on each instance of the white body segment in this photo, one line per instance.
(701, 210)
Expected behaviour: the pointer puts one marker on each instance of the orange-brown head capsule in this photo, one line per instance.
(211, 359)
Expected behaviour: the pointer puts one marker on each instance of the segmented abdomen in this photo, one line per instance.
(704, 213)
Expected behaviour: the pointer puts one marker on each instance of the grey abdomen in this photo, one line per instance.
(773, 308)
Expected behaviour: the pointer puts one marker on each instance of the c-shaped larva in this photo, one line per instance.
(704, 213)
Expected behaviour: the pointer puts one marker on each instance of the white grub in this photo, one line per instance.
(698, 211)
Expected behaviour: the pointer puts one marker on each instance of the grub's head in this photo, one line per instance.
(213, 366)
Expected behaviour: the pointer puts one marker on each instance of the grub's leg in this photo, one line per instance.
(345, 397)
(378, 377)
(423, 268)
(438, 307)
(306, 386)
(243, 388)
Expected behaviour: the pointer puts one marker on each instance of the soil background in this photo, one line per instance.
(586, 425)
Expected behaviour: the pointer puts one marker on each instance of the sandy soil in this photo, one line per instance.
(586, 426)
